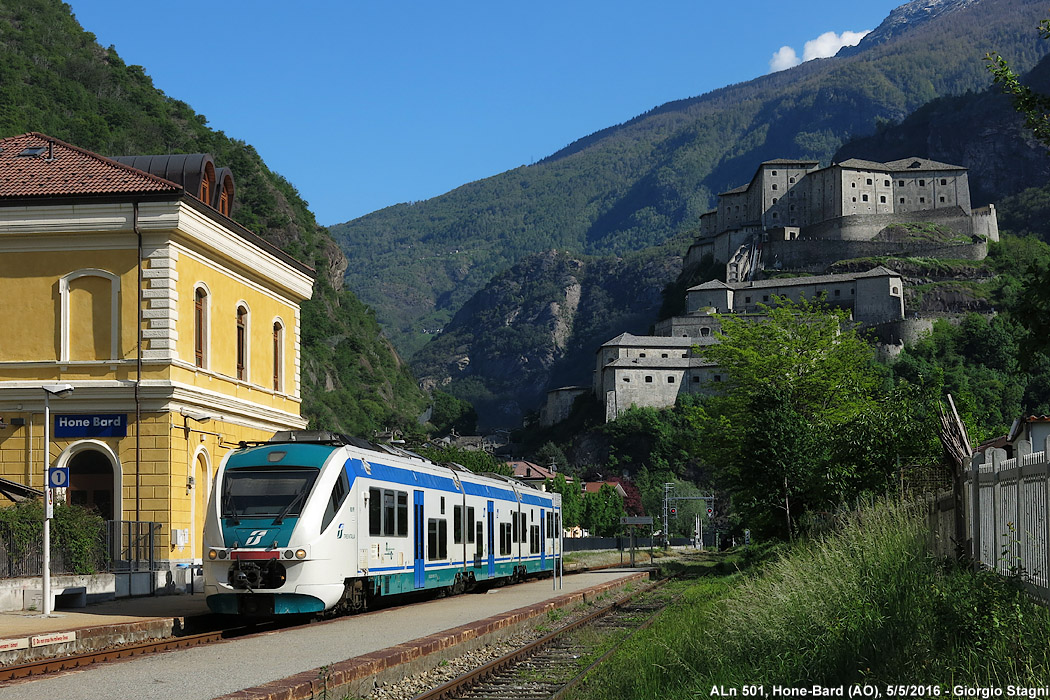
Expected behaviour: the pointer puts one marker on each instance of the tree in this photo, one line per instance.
(794, 379)
(571, 500)
(602, 512)
(474, 460)
(552, 454)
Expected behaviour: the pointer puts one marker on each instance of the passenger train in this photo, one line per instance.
(311, 521)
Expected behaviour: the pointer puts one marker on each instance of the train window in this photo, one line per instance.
(504, 538)
(480, 539)
(402, 514)
(335, 501)
(457, 524)
(514, 526)
(266, 492)
(442, 505)
(535, 547)
(375, 512)
(437, 539)
(470, 525)
(387, 512)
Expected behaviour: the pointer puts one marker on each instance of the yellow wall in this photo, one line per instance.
(225, 293)
(29, 290)
(170, 453)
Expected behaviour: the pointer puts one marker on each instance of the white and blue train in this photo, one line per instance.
(310, 522)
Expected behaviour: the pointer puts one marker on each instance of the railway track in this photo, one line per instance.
(550, 666)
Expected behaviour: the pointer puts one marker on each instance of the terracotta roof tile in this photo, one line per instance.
(62, 170)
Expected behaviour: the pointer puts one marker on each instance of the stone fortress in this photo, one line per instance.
(795, 218)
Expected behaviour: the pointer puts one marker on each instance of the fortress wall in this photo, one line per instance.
(815, 255)
(863, 227)
(985, 223)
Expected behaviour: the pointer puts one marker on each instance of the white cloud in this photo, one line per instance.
(825, 45)
(783, 59)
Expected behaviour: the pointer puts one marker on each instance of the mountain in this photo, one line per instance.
(56, 79)
(535, 326)
(640, 183)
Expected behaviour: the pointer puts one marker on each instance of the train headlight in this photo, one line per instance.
(212, 554)
(300, 554)
(288, 554)
(222, 554)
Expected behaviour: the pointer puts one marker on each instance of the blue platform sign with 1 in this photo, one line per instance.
(58, 477)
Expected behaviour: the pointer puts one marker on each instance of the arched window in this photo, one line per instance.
(207, 184)
(89, 316)
(200, 327)
(278, 355)
(242, 342)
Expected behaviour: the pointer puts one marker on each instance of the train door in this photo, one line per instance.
(419, 533)
(492, 539)
(543, 539)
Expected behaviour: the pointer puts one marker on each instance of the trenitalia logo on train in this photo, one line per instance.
(315, 522)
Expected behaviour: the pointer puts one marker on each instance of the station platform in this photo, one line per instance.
(29, 636)
(342, 656)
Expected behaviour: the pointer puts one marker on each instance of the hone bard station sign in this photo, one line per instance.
(91, 425)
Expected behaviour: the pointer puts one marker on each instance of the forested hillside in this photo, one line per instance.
(538, 325)
(56, 79)
(640, 183)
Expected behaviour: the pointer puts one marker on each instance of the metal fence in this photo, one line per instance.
(124, 546)
(1005, 505)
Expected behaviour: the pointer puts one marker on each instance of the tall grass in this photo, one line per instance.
(864, 604)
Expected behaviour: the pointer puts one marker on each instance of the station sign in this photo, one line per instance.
(58, 477)
(636, 520)
(83, 425)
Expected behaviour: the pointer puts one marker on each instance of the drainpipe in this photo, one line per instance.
(138, 365)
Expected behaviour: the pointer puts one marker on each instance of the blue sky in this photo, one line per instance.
(362, 105)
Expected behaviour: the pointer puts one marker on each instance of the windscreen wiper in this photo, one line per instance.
(287, 509)
(228, 510)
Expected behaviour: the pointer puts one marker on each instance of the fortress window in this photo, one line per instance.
(854, 199)
(641, 354)
(922, 183)
(663, 354)
(792, 207)
(838, 292)
(774, 173)
(886, 183)
(942, 200)
(648, 379)
(774, 215)
(944, 181)
(882, 199)
(791, 180)
(774, 200)
(774, 186)
(765, 297)
(747, 300)
(696, 380)
(922, 200)
(900, 184)
(627, 379)
(902, 200)
(864, 197)
(670, 380)
(852, 184)
(868, 182)
(718, 377)
(894, 291)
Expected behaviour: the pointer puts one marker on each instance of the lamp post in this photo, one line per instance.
(59, 390)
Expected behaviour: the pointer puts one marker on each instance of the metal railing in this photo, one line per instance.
(124, 546)
(132, 545)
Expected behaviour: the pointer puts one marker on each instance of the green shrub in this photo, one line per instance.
(77, 535)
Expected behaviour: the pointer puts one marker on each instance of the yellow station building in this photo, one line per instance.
(177, 328)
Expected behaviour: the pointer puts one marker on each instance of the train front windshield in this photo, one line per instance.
(260, 493)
